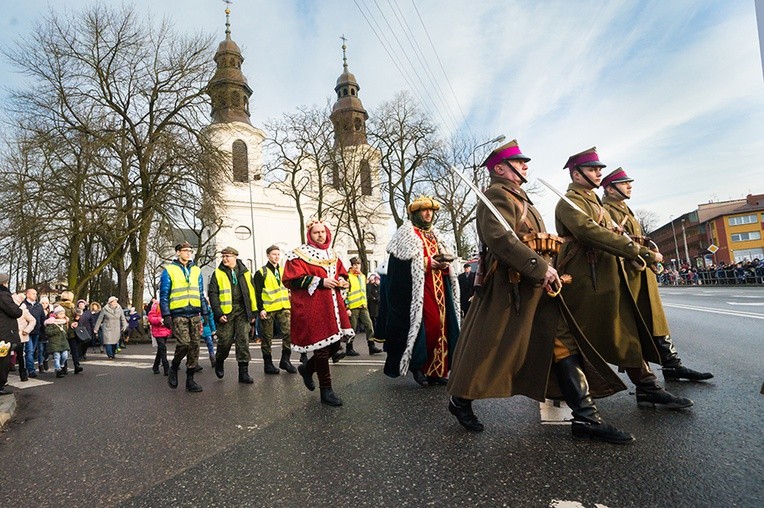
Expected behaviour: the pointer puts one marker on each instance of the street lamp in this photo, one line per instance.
(252, 223)
(497, 139)
(684, 238)
(676, 244)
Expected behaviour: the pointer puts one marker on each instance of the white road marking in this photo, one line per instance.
(561, 503)
(118, 363)
(748, 304)
(555, 413)
(23, 385)
(735, 313)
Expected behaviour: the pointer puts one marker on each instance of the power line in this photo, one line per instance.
(412, 66)
(385, 45)
(441, 67)
(422, 59)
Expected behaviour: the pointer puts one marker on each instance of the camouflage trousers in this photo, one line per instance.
(234, 332)
(280, 318)
(362, 314)
(187, 331)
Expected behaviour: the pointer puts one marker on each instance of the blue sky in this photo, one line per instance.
(672, 91)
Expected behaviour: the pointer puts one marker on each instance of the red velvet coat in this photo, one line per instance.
(318, 316)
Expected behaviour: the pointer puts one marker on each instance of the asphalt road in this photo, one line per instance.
(117, 435)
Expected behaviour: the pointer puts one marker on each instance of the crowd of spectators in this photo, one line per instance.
(743, 272)
(74, 328)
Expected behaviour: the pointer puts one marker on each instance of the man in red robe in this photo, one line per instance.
(419, 313)
(319, 320)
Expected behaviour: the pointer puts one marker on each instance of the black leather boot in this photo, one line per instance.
(681, 372)
(339, 355)
(667, 351)
(349, 351)
(419, 377)
(244, 376)
(198, 368)
(307, 376)
(330, 398)
(587, 422)
(462, 410)
(191, 385)
(268, 366)
(304, 358)
(653, 395)
(219, 369)
(285, 364)
(373, 349)
(650, 393)
(172, 378)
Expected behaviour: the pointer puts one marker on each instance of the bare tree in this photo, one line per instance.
(405, 137)
(647, 219)
(300, 159)
(136, 92)
(355, 204)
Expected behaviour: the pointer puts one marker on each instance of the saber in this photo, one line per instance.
(641, 265)
(482, 197)
(486, 202)
(657, 267)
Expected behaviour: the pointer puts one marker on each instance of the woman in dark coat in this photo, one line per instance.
(9, 329)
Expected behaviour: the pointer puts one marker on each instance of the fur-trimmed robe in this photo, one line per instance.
(318, 317)
(401, 303)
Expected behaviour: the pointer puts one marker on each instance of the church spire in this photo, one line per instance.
(228, 88)
(348, 115)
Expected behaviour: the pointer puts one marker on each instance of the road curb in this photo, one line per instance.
(7, 408)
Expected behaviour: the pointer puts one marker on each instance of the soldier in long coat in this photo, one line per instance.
(599, 296)
(643, 283)
(514, 332)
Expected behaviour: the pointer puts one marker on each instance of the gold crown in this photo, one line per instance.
(312, 222)
(423, 203)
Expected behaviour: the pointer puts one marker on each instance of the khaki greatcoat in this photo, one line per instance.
(643, 284)
(503, 351)
(605, 310)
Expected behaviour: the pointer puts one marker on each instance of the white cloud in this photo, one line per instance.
(661, 88)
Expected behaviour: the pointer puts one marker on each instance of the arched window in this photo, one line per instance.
(365, 178)
(240, 161)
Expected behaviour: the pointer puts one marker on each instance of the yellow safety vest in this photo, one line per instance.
(275, 295)
(357, 292)
(184, 291)
(224, 288)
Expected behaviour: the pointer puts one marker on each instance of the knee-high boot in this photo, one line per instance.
(673, 370)
(650, 393)
(587, 421)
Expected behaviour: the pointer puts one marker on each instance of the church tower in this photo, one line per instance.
(228, 88)
(348, 115)
(252, 215)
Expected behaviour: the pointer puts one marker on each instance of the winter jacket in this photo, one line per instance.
(158, 329)
(113, 323)
(26, 322)
(55, 330)
(165, 285)
(9, 313)
(38, 313)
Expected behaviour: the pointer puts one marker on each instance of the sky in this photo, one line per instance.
(671, 91)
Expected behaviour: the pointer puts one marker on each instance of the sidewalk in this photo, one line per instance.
(7, 408)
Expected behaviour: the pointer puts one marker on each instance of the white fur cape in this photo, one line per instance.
(406, 245)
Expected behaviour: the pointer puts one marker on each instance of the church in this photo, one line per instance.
(257, 214)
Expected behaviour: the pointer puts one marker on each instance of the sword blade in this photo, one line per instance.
(482, 197)
(562, 196)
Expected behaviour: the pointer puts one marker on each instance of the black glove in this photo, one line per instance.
(167, 321)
